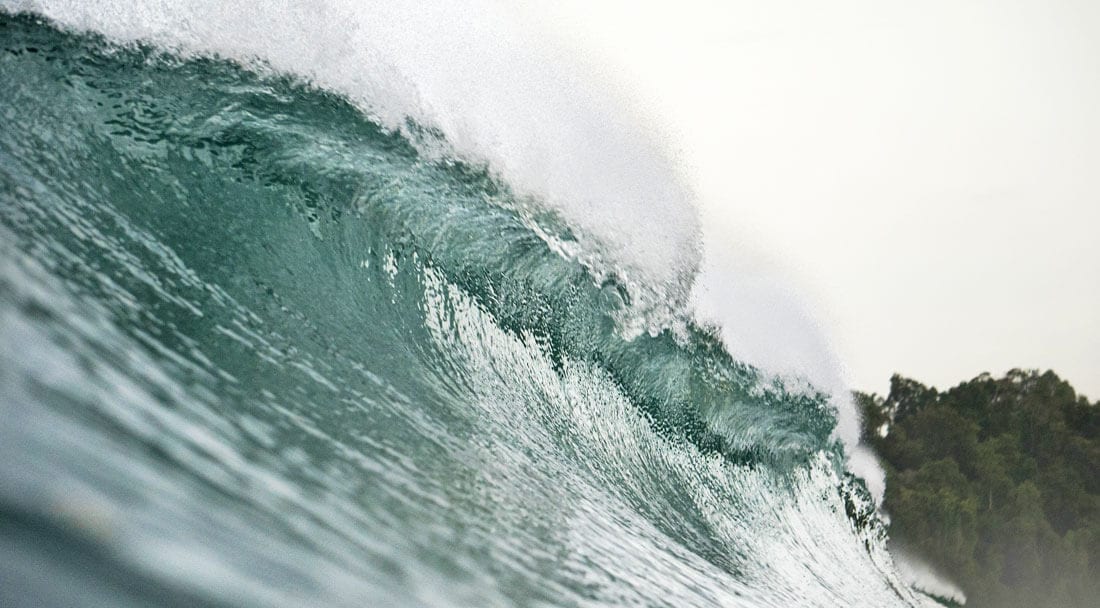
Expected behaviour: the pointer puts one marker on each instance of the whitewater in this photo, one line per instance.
(383, 304)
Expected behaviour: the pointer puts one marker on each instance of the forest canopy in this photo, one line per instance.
(996, 482)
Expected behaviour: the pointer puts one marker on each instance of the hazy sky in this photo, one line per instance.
(927, 173)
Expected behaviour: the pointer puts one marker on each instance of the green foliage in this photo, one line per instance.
(996, 482)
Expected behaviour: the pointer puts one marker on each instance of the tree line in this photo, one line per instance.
(996, 482)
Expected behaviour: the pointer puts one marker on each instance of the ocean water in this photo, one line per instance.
(282, 335)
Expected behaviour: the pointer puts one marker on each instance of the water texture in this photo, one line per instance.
(260, 349)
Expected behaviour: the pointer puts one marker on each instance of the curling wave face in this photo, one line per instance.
(479, 85)
(260, 349)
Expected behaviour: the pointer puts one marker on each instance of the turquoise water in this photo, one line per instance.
(259, 350)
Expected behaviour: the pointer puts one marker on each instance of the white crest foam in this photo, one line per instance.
(922, 576)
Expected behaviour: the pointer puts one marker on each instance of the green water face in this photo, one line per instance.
(257, 351)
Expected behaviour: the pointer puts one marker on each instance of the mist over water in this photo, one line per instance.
(339, 304)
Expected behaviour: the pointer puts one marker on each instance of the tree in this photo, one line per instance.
(996, 481)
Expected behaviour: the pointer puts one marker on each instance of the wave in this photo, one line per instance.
(282, 327)
(478, 86)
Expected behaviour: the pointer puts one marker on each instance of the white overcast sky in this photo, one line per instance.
(927, 173)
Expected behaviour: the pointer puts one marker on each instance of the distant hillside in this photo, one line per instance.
(997, 483)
